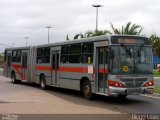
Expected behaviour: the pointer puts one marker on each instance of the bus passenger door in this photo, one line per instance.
(55, 67)
(102, 69)
(24, 66)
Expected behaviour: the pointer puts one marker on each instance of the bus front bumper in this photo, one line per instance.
(130, 91)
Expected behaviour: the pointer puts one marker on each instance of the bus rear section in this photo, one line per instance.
(19, 63)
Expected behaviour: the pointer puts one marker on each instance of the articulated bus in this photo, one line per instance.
(111, 65)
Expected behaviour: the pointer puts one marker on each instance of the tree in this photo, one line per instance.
(97, 33)
(1, 57)
(90, 34)
(77, 36)
(129, 29)
(155, 44)
(67, 38)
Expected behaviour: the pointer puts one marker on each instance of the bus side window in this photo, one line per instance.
(75, 53)
(18, 56)
(43, 55)
(87, 53)
(63, 59)
(9, 60)
(64, 54)
(39, 60)
(14, 58)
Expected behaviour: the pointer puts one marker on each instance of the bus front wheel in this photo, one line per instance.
(87, 90)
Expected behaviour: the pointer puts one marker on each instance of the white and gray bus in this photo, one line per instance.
(109, 65)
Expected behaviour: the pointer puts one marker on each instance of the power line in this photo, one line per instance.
(6, 45)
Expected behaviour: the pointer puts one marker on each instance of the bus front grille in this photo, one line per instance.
(136, 82)
(126, 79)
(132, 84)
(140, 79)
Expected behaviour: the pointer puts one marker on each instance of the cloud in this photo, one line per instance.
(20, 18)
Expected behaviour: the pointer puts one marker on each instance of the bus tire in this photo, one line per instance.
(43, 82)
(13, 78)
(122, 96)
(87, 90)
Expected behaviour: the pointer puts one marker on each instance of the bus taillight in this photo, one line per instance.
(115, 84)
(150, 83)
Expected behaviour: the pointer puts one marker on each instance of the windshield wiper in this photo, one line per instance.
(127, 51)
(139, 50)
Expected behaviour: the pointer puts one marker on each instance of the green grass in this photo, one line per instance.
(157, 89)
(156, 73)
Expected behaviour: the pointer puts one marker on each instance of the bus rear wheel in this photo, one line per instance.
(13, 78)
(87, 90)
(43, 82)
(122, 96)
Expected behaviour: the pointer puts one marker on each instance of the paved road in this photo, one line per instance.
(25, 98)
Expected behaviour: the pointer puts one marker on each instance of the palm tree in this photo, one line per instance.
(1, 57)
(129, 29)
(90, 34)
(67, 37)
(78, 36)
(97, 33)
(155, 44)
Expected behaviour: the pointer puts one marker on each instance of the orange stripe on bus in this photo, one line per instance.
(45, 68)
(62, 69)
(17, 67)
(69, 69)
(102, 70)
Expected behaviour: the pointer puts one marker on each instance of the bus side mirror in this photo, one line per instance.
(111, 55)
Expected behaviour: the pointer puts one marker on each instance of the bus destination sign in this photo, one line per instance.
(130, 40)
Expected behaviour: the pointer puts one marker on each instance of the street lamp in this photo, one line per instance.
(26, 39)
(48, 31)
(97, 6)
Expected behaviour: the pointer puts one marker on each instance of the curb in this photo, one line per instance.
(155, 97)
(157, 77)
(156, 94)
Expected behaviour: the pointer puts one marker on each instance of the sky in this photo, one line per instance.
(29, 18)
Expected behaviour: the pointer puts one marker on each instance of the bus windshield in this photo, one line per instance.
(131, 60)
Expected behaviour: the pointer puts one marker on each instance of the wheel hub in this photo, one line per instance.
(42, 84)
(87, 90)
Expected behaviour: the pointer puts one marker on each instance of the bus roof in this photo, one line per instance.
(89, 39)
(18, 48)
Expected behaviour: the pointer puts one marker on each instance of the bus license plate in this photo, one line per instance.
(134, 90)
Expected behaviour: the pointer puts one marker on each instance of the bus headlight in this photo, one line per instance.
(115, 84)
(150, 83)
